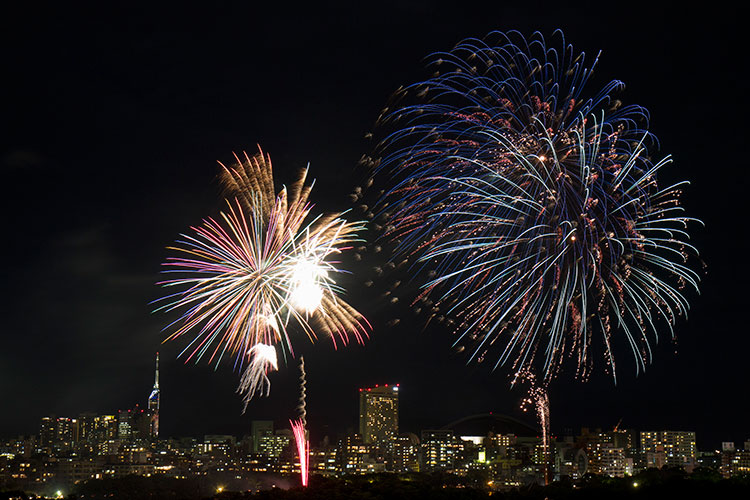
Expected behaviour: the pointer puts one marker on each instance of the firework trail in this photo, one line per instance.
(538, 398)
(302, 407)
(533, 211)
(303, 449)
(299, 427)
(264, 264)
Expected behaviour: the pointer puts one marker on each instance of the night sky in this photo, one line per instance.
(112, 125)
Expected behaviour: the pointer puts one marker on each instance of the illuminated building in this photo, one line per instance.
(106, 427)
(607, 460)
(439, 450)
(153, 404)
(58, 433)
(124, 424)
(134, 424)
(611, 453)
(95, 429)
(323, 461)
(627, 439)
(378, 413)
(272, 445)
(356, 457)
(734, 462)
(47, 433)
(570, 462)
(218, 446)
(87, 427)
(406, 453)
(671, 448)
(260, 429)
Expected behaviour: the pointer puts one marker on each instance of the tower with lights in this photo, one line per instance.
(378, 413)
(153, 403)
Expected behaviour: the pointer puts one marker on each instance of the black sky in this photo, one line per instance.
(112, 124)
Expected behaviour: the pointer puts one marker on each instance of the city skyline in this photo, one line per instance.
(377, 422)
(68, 452)
(115, 126)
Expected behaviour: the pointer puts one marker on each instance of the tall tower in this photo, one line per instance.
(378, 413)
(153, 403)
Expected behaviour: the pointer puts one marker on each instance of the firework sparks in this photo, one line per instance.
(264, 264)
(302, 407)
(538, 399)
(303, 448)
(255, 378)
(299, 426)
(536, 210)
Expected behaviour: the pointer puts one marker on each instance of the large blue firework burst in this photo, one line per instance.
(533, 210)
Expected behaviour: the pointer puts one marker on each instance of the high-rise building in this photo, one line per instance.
(734, 462)
(378, 413)
(671, 448)
(86, 427)
(439, 450)
(154, 400)
(354, 456)
(611, 453)
(58, 433)
(273, 445)
(106, 428)
(406, 453)
(124, 424)
(47, 433)
(218, 445)
(607, 460)
(259, 430)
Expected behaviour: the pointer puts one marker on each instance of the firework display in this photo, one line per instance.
(532, 207)
(266, 263)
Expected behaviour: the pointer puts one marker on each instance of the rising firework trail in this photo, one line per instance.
(264, 264)
(299, 427)
(538, 399)
(302, 407)
(533, 210)
(303, 448)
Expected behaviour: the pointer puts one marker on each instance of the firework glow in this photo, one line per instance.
(534, 211)
(264, 264)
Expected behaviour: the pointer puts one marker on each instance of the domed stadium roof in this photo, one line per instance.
(484, 423)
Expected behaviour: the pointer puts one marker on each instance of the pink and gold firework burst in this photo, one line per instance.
(263, 264)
